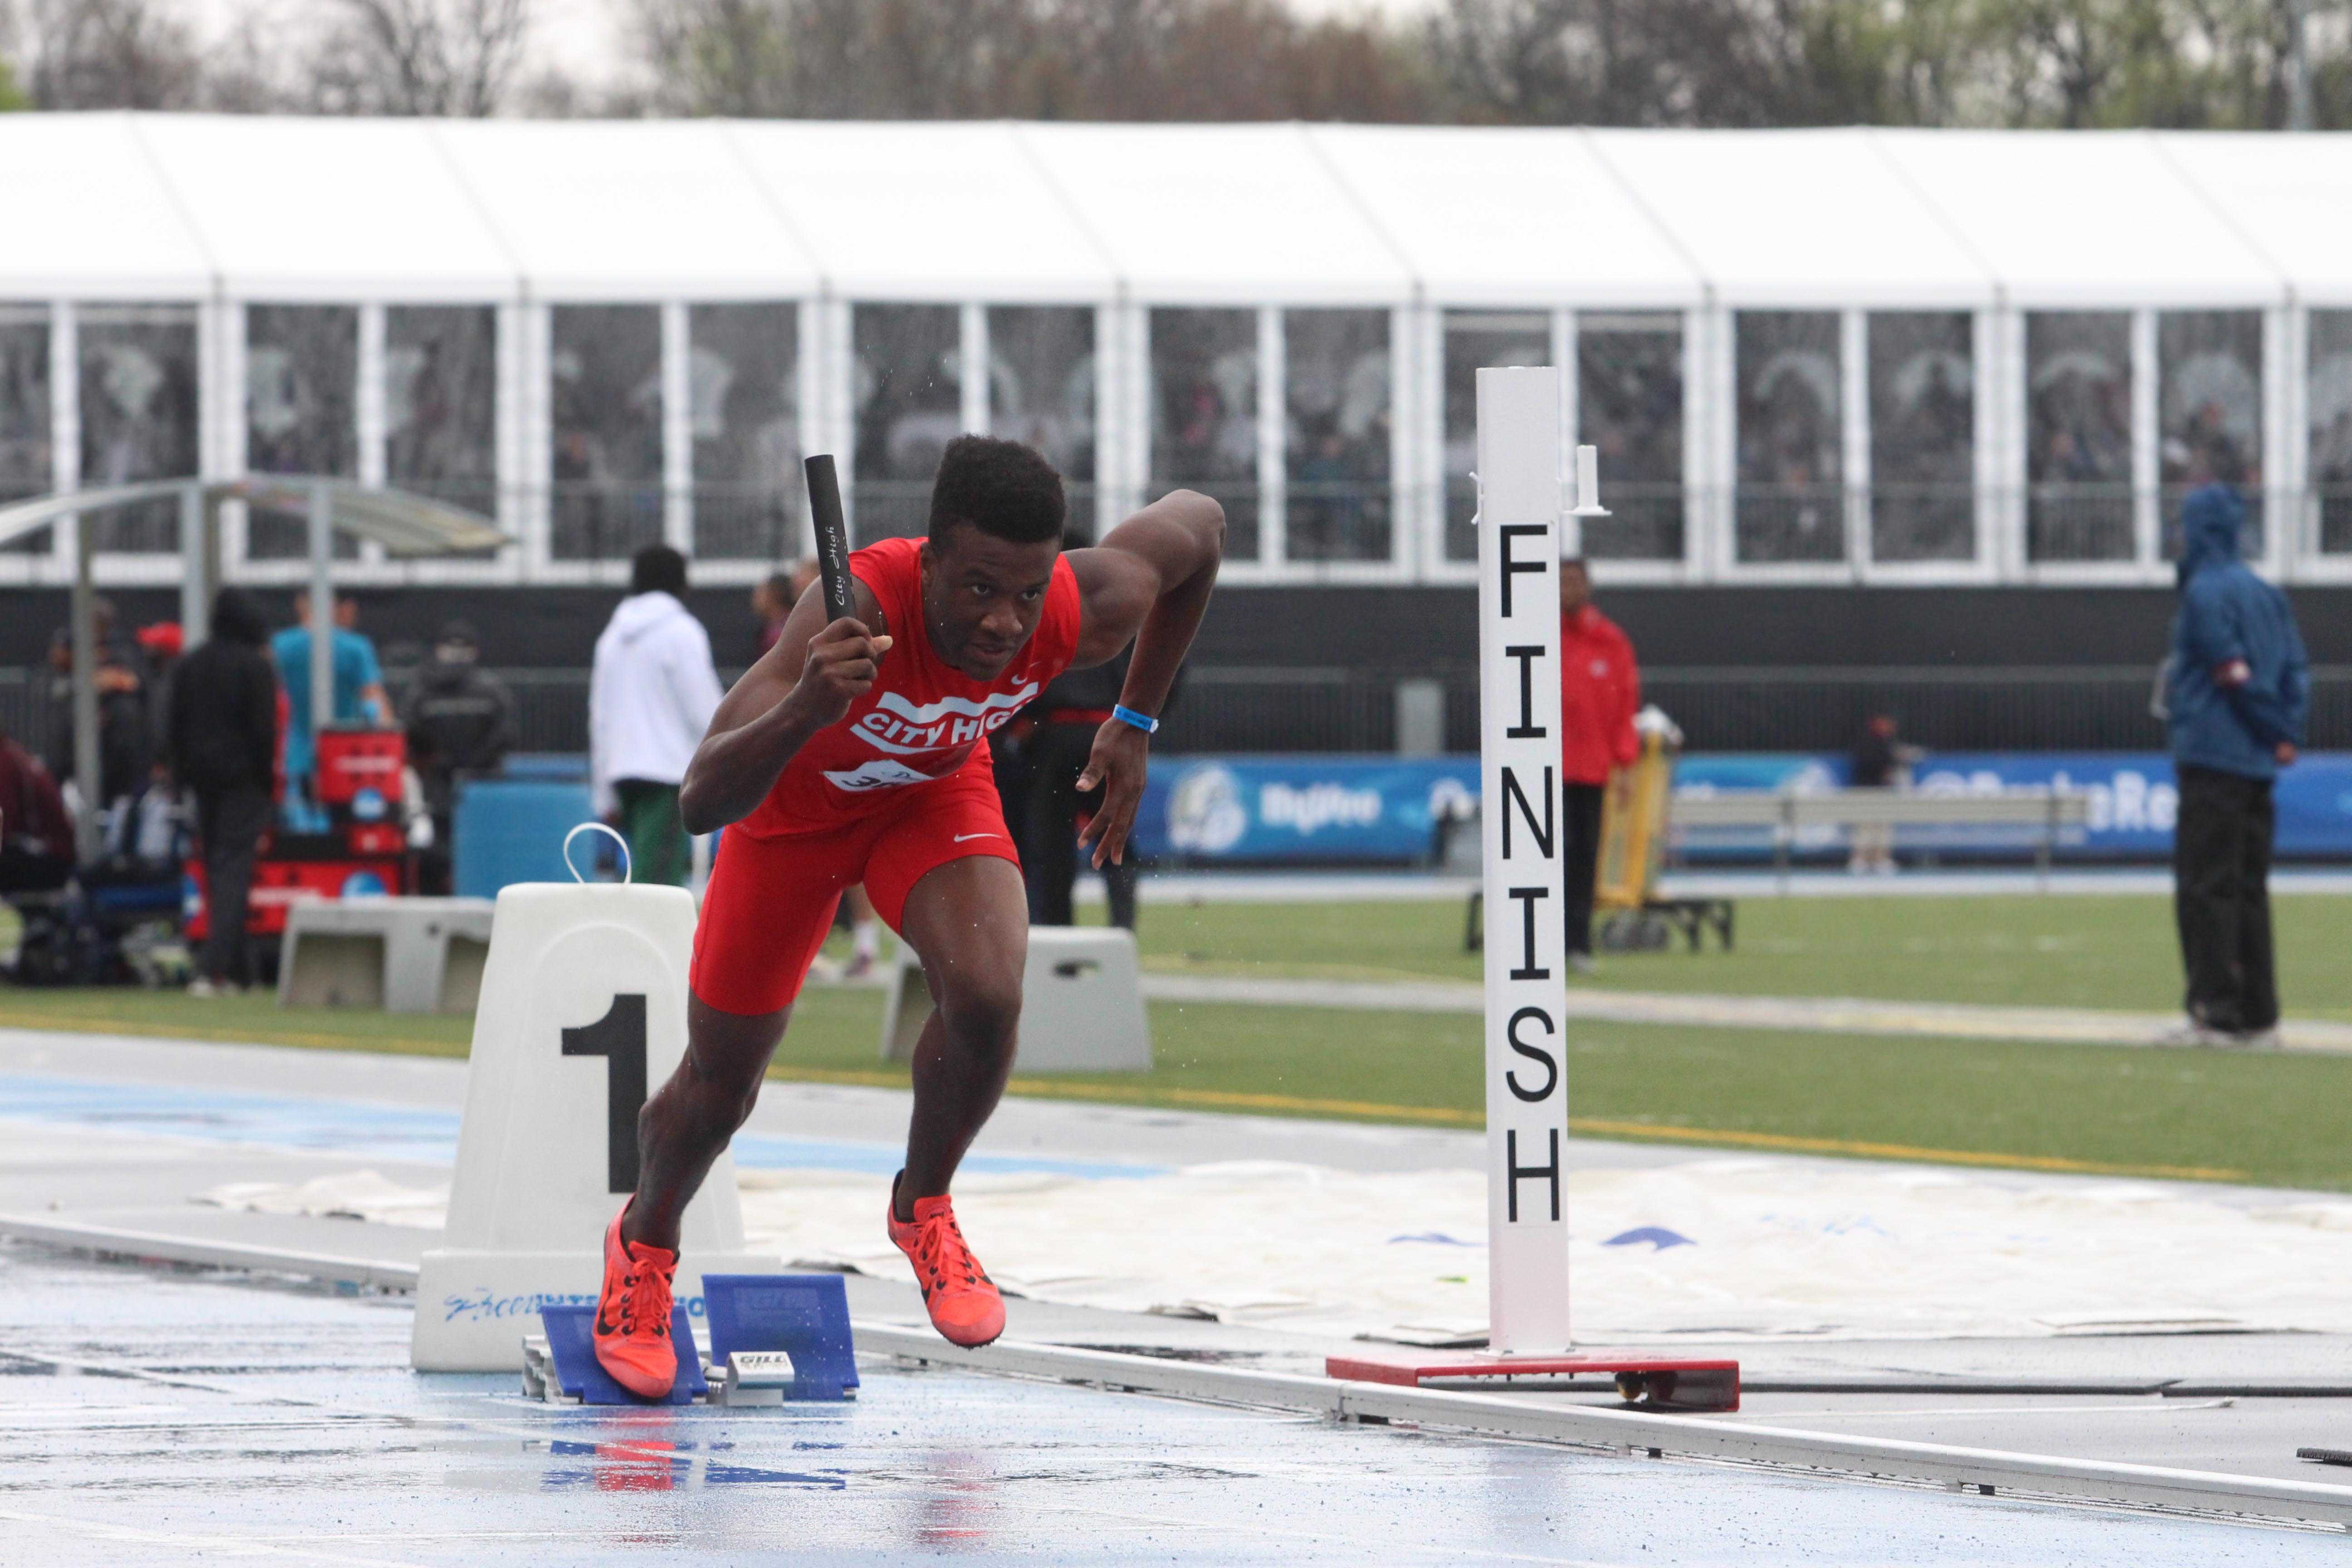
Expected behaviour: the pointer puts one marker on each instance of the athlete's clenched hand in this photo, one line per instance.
(843, 661)
(1117, 764)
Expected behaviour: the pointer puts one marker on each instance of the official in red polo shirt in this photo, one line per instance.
(1599, 692)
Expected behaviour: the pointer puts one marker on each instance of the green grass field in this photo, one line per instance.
(2277, 1119)
(2058, 951)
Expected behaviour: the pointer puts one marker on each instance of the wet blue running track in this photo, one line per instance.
(384, 1132)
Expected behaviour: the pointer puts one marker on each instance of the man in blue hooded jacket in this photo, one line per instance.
(2237, 693)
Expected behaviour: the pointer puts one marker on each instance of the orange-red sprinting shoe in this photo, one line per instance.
(957, 1292)
(633, 1315)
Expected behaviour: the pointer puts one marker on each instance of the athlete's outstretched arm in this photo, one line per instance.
(1149, 579)
(803, 683)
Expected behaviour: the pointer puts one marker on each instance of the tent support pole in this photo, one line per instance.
(196, 578)
(322, 618)
(85, 688)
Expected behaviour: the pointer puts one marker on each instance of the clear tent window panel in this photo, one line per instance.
(27, 463)
(2210, 412)
(440, 403)
(1789, 505)
(605, 364)
(2330, 397)
(743, 370)
(1041, 392)
(1336, 402)
(1475, 339)
(1204, 373)
(301, 384)
(138, 367)
(1923, 436)
(1629, 407)
(909, 398)
(2078, 439)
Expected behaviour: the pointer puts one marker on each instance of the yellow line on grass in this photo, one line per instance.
(225, 1034)
(1229, 1100)
(1791, 1145)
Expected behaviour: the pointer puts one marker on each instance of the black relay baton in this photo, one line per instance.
(832, 535)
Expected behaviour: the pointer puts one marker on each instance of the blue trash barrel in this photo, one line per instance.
(511, 830)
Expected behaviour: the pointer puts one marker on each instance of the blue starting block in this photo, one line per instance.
(572, 1346)
(806, 1316)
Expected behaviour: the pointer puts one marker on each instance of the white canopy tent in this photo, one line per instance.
(219, 217)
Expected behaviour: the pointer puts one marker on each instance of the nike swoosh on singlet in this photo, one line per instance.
(961, 837)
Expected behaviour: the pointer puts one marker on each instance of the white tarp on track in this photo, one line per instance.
(1717, 1247)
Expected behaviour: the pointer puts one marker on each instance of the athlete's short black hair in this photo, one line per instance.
(999, 487)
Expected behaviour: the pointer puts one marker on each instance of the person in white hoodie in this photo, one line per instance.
(650, 698)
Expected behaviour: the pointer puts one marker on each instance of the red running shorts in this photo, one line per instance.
(770, 900)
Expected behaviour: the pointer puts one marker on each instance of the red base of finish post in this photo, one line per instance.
(1650, 1383)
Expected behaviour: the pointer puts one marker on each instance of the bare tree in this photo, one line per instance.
(107, 54)
(1078, 59)
(418, 56)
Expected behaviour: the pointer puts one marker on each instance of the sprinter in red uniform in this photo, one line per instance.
(857, 752)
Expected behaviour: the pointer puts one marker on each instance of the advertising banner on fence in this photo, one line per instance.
(1341, 809)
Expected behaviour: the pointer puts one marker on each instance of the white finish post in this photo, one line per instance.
(677, 428)
(1563, 354)
(1699, 398)
(972, 366)
(1519, 761)
(2147, 466)
(322, 618)
(1273, 426)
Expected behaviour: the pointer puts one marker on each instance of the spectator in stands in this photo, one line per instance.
(1880, 761)
(460, 722)
(124, 730)
(359, 695)
(37, 843)
(1600, 690)
(775, 595)
(221, 738)
(650, 697)
(2236, 695)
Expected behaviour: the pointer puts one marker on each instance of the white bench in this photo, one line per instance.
(1787, 812)
(403, 955)
(1081, 1004)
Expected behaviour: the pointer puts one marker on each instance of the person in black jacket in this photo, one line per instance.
(223, 738)
(459, 723)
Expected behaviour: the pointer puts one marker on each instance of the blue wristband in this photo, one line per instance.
(1142, 722)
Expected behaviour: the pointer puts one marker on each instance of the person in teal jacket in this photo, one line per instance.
(2237, 692)
(359, 695)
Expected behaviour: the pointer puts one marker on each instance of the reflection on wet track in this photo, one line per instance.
(177, 1418)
